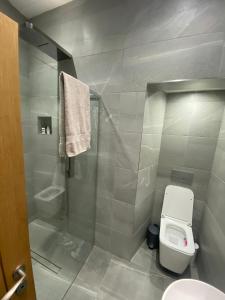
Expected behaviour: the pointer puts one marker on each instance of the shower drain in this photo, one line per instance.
(45, 262)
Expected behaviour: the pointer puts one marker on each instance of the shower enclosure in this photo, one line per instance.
(60, 193)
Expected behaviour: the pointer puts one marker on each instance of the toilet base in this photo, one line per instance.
(173, 260)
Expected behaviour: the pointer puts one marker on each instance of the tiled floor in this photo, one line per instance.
(57, 250)
(48, 285)
(107, 277)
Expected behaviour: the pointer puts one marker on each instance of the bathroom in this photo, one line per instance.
(156, 73)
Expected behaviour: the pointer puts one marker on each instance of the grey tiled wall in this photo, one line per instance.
(149, 156)
(121, 121)
(190, 132)
(211, 259)
(118, 47)
(128, 161)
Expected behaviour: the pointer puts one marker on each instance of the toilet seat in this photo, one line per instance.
(178, 204)
(173, 234)
(176, 237)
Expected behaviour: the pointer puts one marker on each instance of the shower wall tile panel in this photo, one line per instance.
(212, 232)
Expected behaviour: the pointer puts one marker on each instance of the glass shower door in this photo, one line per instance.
(45, 171)
(61, 208)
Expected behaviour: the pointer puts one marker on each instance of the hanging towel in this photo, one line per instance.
(74, 116)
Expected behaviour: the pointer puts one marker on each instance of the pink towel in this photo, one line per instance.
(74, 118)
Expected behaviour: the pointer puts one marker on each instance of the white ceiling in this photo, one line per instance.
(32, 8)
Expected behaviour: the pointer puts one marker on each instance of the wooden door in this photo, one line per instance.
(14, 242)
(2, 283)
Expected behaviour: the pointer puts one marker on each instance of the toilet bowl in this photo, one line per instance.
(176, 237)
(49, 201)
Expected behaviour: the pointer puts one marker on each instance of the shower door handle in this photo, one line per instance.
(20, 276)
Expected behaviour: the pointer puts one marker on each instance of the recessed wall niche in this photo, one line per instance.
(45, 125)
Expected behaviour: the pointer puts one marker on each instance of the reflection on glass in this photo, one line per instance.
(61, 210)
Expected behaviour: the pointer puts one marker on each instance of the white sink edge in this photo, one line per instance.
(176, 285)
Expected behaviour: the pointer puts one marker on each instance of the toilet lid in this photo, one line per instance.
(178, 203)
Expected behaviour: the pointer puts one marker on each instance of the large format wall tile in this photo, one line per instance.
(146, 183)
(125, 185)
(101, 71)
(199, 152)
(103, 26)
(211, 259)
(104, 211)
(195, 114)
(179, 110)
(150, 147)
(143, 210)
(122, 217)
(126, 245)
(216, 202)
(218, 163)
(207, 114)
(127, 141)
(103, 236)
(172, 151)
(177, 18)
(147, 63)
(154, 113)
(43, 82)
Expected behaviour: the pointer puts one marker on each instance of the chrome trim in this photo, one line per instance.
(19, 285)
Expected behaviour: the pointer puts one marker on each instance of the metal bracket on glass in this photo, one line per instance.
(70, 166)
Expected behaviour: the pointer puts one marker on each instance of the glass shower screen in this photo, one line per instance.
(61, 209)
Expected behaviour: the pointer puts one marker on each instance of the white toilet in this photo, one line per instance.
(176, 237)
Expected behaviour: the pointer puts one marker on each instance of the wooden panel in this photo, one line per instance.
(2, 281)
(14, 243)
